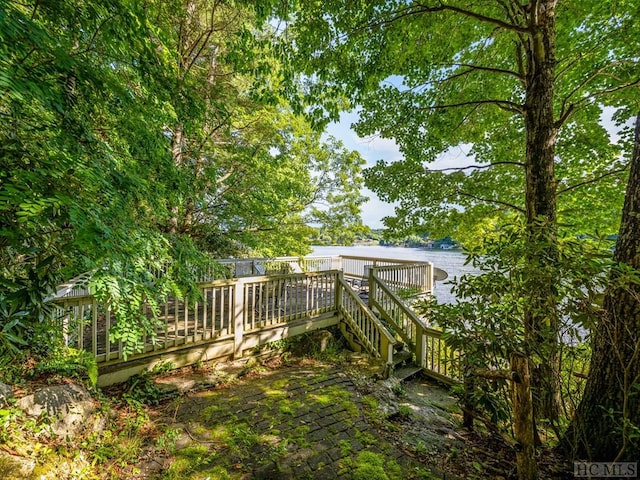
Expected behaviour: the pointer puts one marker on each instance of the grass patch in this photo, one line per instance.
(189, 460)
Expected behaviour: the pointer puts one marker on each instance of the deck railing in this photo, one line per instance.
(86, 322)
(226, 309)
(354, 266)
(408, 279)
(278, 299)
(229, 310)
(238, 267)
(427, 344)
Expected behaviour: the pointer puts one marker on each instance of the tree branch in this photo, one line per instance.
(486, 200)
(504, 104)
(471, 69)
(424, 9)
(592, 180)
(566, 113)
(571, 62)
(478, 167)
(474, 15)
(485, 69)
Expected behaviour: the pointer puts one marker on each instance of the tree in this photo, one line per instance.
(516, 84)
(80, 145)
(139, 137)
(606, 426)
(257, 170)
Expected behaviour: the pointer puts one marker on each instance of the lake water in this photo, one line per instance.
(451, 262)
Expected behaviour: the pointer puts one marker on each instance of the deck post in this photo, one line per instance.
(421, 346)
(338, 291)
(238, 318)
(336, 263)
(371, 286)
(386, 350)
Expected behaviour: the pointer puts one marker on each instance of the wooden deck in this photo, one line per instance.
(234, 316)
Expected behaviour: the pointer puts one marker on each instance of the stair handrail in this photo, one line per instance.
(415, 332)
(387, 340)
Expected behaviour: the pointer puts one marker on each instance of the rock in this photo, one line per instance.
(67, 406)
(177, 384)
(6, 393)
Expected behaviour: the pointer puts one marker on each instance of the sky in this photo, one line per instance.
(375, 148)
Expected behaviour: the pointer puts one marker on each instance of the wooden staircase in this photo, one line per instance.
(385, 326)
(402, 365)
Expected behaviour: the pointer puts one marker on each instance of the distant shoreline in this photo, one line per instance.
(374, 243)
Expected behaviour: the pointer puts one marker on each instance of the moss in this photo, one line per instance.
(217, 472)
(372, 466)
(208, 412)
(298, 436)
(289, 407)
(282, 383)
(193, 451)
(366, 437)
(345, 447)
(370, 402)
(188, 460)
(369, 472)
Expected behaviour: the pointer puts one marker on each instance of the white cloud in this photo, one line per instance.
(377, 148)
(454, 157)
(375, 209)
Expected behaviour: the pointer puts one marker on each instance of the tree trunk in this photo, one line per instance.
(541, 317)
(176, 153)
(523, 424)
(609, 412)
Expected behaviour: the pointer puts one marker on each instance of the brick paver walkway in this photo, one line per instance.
(302, 422)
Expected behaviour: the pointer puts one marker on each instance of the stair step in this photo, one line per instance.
(406, 372)
(401, 357)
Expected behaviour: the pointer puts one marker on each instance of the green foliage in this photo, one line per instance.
(69, 363)
(24, 308)
(448, 83)
(311, 344)
(134, 138)
(142, 390)
(488, 320)
(371, 466)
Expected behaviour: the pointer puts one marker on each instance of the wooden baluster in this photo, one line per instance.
(94, 326)
(240, 294)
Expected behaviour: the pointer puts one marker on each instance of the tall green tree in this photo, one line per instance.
(521, 84)
(256, 169)
(135, 137)
(80, 146)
